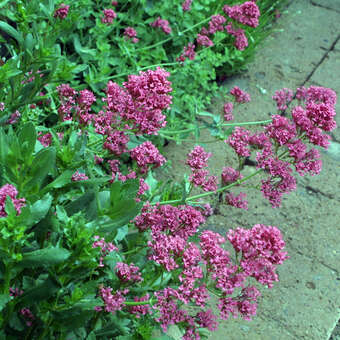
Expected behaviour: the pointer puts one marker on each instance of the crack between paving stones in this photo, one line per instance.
(332, 48)
(315, 259)
(322, 6)
(317, 191)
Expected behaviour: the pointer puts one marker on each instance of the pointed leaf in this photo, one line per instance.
(11, 31)
(42, 164)
(44, 257)
(39, 209)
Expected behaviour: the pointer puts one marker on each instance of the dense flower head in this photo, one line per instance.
(116, 142)
(163, 24)
(230, 175)
(216, 23)
(167, 305)
(12, 192)
(86, 98)
(239, 95)
(318, 94)
(237, 201)
(112, 302)
(140, 309)
(321, 115)
(310, 163)
(109, 15)
(150, 88)
(247, 13)
(67, 96)
(2, 106)
(45, 139)
(261, 249)
(78, 176)
(203, 40)
(62, 11)
(128, 272)
(147, 154)
(241, 304)
(282, 98)
(131, 33)
(165, 249)
(182, 220)
(239, 141)
(218, 262)
(186, 5)
(105, 248)
(241, 41)
(228, 110)
(197, 158)
(207, 319)
(138, 105)
(279, 181)
(313, 133)
(28, 316)
(297, 149)
(281, 129)
(188, 52)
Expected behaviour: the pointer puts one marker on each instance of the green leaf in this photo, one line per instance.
(39, 210)
(44, 257)
(29, 43)
(60, 181)
(42, 164)
(81, 203)
(27, 138)
(39, 293)
(4, 298)
(121, 233)
(15, 322)
(12, 32)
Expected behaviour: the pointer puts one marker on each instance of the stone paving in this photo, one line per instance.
(303, 50)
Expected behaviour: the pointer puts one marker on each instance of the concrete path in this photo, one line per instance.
(304, 50)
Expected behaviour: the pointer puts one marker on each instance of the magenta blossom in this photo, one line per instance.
(62, 11)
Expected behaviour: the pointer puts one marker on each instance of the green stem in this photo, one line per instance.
(170, 38)
(209, 193)
(219, 125)
(138, 303)
(140, 69)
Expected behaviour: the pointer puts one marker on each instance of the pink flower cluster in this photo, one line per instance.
(105, 248)
(112, 302)
(239, 95)
(261, 248)
(282, 98)
(228, 111)
(247, 13)
(28, 315)
(62, 11)
(197, 160)
(131, 33)
(109, 15)
(127, 272)
(75, 105)
(163, 24)
(78, 176)
(12, 192)
(188, 52)
(138, 107)
(307, 124)
(140, 309)
(186, 5)
(147, 154)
